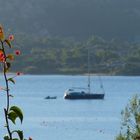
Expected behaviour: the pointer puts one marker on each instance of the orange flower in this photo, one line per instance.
(1, 33)
(2, 59)
(10, 56)
(1, 54)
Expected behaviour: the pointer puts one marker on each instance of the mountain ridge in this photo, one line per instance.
(77, 19)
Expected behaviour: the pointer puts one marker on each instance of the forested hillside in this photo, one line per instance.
(66, 56)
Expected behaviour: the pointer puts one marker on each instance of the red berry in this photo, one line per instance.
(11, 37)
(18, 73)
(17, 52)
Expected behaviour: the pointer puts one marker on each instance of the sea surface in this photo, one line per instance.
(61, 119)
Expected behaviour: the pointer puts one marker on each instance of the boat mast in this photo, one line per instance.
(88, 71)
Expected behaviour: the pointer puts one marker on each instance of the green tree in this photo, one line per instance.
(131, 121)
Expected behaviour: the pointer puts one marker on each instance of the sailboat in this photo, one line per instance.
(84, 93)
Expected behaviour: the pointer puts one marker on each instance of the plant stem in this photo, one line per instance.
(7, 93)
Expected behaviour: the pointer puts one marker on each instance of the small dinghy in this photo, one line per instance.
(51, 97)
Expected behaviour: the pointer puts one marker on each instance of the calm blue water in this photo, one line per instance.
(70, 120)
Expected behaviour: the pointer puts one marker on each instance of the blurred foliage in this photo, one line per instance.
(130, 129)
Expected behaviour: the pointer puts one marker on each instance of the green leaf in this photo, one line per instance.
(15, 139)
(12, 116)
(8, 43)
(6, 138)
(20, 134)
(11, 80)
(18, 112)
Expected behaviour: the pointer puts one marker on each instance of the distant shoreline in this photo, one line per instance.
(74, 74)
(71, 74)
